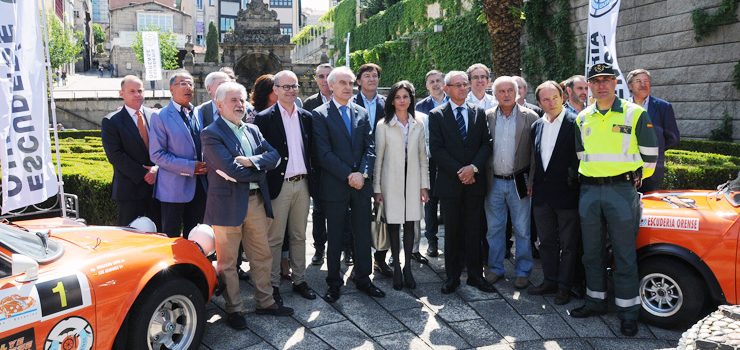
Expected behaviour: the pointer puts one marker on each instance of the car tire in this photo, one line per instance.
(168, 315)
(671, 292)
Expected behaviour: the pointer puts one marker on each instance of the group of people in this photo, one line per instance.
(251, 170)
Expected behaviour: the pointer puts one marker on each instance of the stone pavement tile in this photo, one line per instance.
(564, 344)
(584, 327)
(247, 293)
(425, 274)
(505, 320)
(402, 340)
(672, 335)
(261, 346)
(431, 328)
(628, 344)
(613, 322)
(469, 293)
(477, 332)
(218, 335)
(312, 313)
(396, 299)
(364, 312)
(550, 326)
(501, 346)
(451, 307)
(283, 332)
(524, 303)
(345, 335)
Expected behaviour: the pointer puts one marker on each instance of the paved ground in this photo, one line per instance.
(424, 318)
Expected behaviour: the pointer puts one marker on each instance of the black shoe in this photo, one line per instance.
(450, 287)
(583, 312)
(562, 297)
(243, 275)
(332, 294)
(348, 258)
(628, 328)
(408, 277)
(432, 250)
(275, 310)
(236, 320)
(535, 253)
(276, 296)
(420, 259)
(318, 258)
(543, 289)
(371, 290)
(482, 285)
(397, 277)
(303, 290)
(379, 265)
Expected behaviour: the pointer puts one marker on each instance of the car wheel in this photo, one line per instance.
(170, 316)
(672, 294)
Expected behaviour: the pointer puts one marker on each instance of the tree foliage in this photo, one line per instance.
(99, 33)
(212, 44)
(505, 29)
(167, 49)
(65, 44)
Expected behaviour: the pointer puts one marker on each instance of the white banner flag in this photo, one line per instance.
(28, 173)
(152, 58)
(602, 38)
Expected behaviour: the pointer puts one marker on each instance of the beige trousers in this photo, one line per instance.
(291, 213)
(253, 235)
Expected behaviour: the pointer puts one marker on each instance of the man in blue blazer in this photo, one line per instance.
(663, 119)
(238, 205)
(174, 145)
(555, 193)
(345, 150)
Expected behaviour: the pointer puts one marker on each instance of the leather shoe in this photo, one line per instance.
(275, 310)
(276, 296)
(521, 282)
(420, 259)
(332, 294)
(583, 312)
(371, 290)
(236, 320)
(482, 285)
(303, 290)
(450, 287)
(432, 251)
(243, 275)
(383, 268)
(492, 277)
(348, 258)
(562, 297)
(628, 328)
(318, 258)
(543, 289)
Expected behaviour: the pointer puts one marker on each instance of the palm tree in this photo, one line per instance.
(505, 28)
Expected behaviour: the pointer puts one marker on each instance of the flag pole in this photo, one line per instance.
(53, 108)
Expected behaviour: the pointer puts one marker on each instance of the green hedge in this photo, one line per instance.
(698, 170)
(726, 148)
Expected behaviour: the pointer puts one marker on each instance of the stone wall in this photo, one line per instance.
(88, 113)
(696, 77)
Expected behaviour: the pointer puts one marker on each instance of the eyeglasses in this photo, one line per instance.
(185, 83)
(459, 85)
(479, 77)
(288, 87)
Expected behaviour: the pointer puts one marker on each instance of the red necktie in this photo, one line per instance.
(141, 125)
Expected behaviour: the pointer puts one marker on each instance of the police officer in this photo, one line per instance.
(617, 147)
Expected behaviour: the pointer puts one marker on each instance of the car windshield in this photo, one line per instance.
(731, 190)
(35, 245)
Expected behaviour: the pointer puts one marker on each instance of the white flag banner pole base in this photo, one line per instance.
(602, 38)
(25, 154)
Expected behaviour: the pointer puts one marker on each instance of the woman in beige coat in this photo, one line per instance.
(401, 179)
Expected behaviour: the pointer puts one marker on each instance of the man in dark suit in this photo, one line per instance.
(460, 145)
(288, 127)
(317, 215)
(555, 193)
(521, 100)
(434, 80)
(174, 145)
(345, 150)
(207, 111)
(126, 143)
(664, 123)
(238, 205)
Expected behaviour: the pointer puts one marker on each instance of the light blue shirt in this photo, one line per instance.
(436, 104)
(240, 131)
(370, 105)
(215, 111)
(464, 113)
(504, 143)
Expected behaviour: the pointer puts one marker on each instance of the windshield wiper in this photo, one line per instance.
(44, 237)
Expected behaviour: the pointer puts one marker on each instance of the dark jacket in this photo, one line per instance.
(556, 186)
(379, 109)
(312, 102)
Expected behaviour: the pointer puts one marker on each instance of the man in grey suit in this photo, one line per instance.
(238, 205)
(509, 182)
(207, 111)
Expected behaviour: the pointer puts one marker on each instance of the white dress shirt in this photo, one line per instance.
(549, 137)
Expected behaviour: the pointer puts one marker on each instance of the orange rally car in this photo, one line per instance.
(65, 285)
(688, 253)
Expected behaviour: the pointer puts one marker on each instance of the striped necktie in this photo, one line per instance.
(461, 123)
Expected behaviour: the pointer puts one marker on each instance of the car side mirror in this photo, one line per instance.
(26, 267)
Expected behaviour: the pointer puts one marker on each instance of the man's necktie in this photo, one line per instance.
(192, 126)
(461, 123)
(141, 125)
(345, 117)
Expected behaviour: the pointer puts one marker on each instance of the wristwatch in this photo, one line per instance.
(475, 168)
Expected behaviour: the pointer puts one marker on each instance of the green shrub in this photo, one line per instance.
(76, 134)
(726, 148)
(697, 170)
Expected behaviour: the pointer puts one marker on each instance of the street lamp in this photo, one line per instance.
(324, 48)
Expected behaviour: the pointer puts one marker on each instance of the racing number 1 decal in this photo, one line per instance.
(59, 294)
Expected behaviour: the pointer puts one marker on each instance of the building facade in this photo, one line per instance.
(288, 13)
(100, 12)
